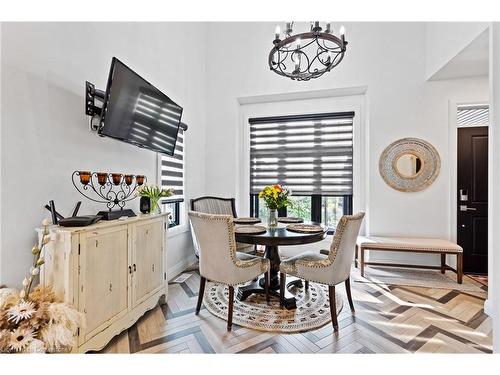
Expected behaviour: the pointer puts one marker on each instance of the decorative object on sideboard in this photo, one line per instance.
(33, 321)
(154, 193)
(409, 164)
(145, 205)
(307, 55)
(275, 197)
(114, 189)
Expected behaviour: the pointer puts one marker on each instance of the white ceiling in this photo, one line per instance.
(472, 61)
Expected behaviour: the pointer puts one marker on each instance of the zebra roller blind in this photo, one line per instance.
(309, 154)
(473, 115)
(172, 170)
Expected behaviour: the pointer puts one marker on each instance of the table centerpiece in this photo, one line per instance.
(275, 197)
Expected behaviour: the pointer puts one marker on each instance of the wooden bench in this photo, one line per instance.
(409, 245)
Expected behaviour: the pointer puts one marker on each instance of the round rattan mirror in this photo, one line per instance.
(409, 164)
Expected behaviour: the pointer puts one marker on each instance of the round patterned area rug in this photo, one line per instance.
(313, 309)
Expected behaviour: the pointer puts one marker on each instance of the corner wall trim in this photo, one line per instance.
(303, 95)
(488, 307)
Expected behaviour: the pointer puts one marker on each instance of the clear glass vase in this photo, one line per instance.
(155, 207)
(273, 218)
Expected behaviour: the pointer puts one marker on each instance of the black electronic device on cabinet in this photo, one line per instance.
(72, 221)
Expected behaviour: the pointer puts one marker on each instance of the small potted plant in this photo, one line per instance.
(275, 197)
(153, 193)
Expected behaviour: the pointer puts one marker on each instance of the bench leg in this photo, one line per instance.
(362, 265)
(460, 268)
(356, 248)
(443, 263)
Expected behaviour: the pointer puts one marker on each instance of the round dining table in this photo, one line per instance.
(272, 240)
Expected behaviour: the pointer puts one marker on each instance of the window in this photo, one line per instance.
(309, 154)
(301, 207)
(473, 115)
(172, 176)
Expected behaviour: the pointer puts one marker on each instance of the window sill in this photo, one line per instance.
(177, 230)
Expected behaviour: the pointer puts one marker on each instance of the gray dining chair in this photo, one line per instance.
(218, 206)
(219, 260)
(330, 269)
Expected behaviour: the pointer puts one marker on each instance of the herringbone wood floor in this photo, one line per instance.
(388, 319)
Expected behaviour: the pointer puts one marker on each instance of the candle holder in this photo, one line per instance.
(113, 189)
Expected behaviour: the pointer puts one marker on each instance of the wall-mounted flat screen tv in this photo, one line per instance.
(136, 112)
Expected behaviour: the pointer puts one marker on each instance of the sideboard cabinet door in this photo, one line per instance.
(148, 260)
(104, 277)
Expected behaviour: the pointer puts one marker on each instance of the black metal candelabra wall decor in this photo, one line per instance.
(113, 189)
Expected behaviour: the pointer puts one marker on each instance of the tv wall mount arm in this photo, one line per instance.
(93, 95)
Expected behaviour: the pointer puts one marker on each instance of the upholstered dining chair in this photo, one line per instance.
(218, 206)
(332, 268)
(219, 260)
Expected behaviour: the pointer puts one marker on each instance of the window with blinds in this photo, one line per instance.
(172, 171)
(309, 154)
(473, 115)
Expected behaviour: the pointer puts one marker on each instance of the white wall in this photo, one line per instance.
(0, 153)
(45, 136)
(444, 40)
(493, 303)
(387, 58)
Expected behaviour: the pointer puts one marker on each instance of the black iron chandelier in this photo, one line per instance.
(306, 55)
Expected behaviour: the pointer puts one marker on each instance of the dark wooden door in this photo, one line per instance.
(472, 197)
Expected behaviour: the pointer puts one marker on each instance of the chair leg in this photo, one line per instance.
(282, 289)
(460, 267)
(230, 310)
(200, 294)
(266, 285)
(307, 284)
(333, 307)
(362, 265)
(348, 291)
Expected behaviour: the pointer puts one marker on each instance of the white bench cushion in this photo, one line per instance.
(408, 243)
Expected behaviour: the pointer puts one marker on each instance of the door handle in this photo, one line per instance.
(463, 207)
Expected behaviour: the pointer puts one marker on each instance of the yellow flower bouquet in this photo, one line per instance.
(275, 197)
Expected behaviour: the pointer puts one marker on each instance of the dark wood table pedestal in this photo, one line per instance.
(272, 239)
(257, 286)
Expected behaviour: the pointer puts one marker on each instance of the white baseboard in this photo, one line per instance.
(178, 268)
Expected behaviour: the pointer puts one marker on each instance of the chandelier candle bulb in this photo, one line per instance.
(328, 27)
(288, 28)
